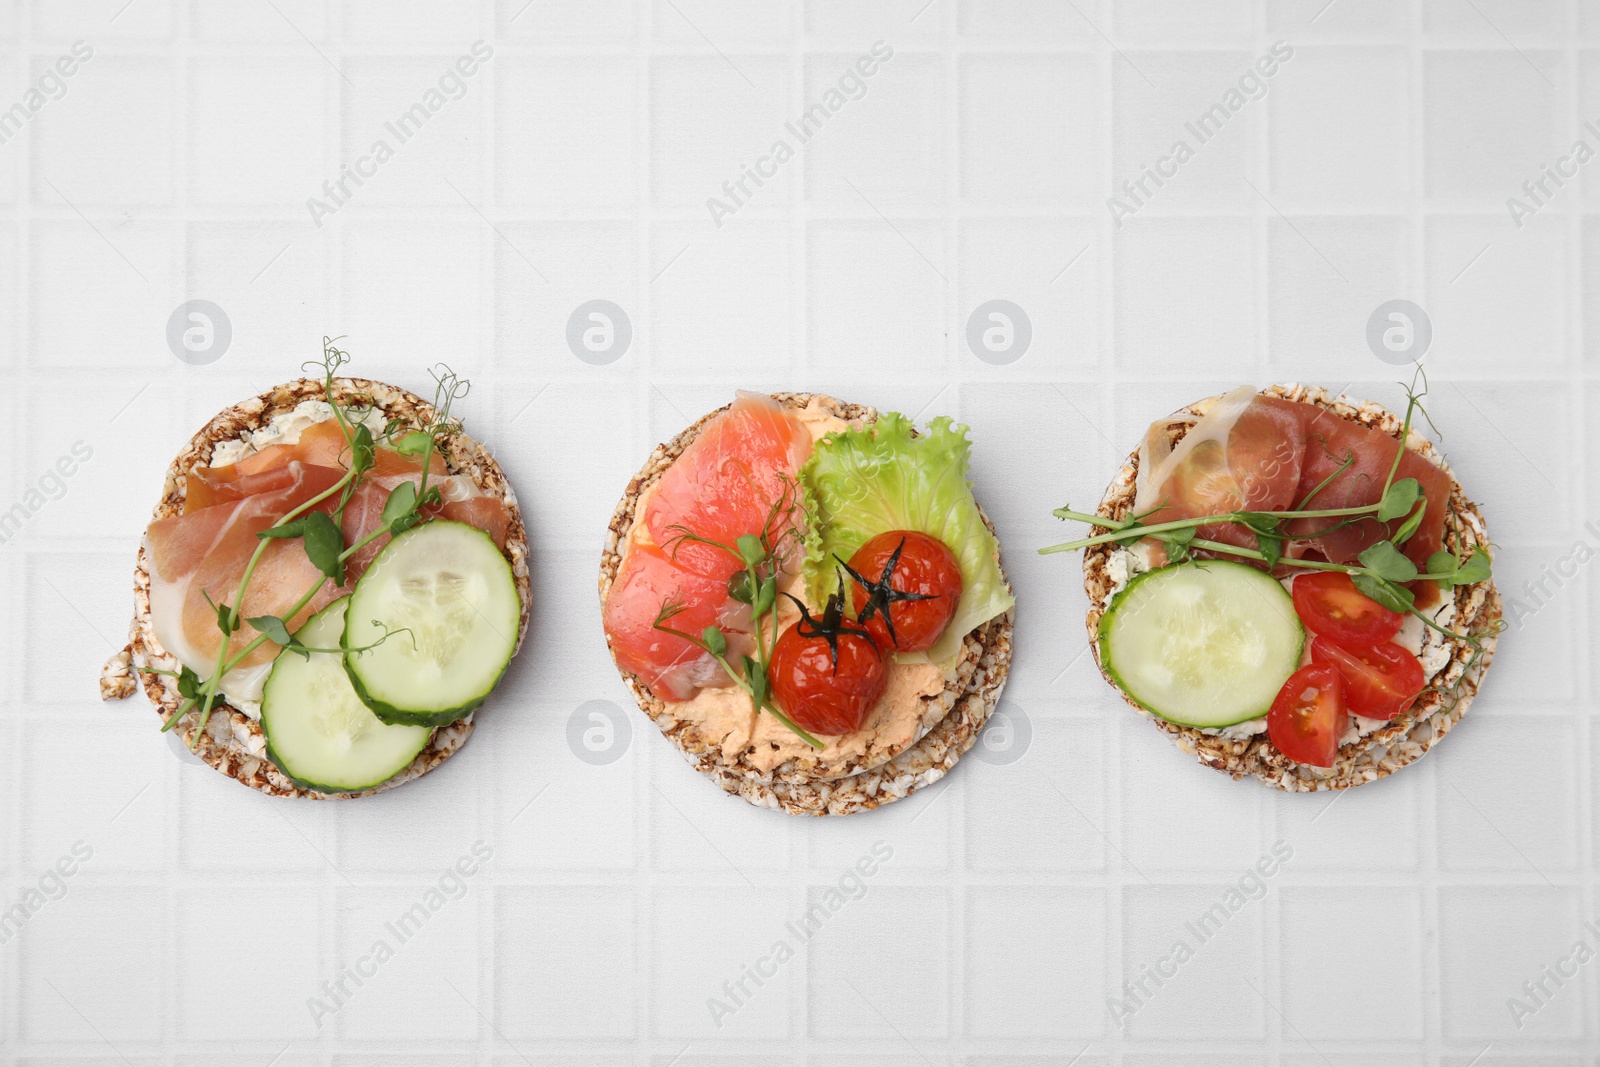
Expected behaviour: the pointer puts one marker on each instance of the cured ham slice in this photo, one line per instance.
(203, 552)
(1332, 441)
(462, 502)
(322, 444)
(1242, 455)
(722, 487)
(1265, 453)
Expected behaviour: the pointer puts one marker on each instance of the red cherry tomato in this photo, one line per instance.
(1380, 681)
(1308, 718)
(905, 601)
(826, 684)
(1329, 603)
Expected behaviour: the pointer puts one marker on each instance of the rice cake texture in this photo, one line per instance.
(233, 742)
(949, 721)
(1412, 733)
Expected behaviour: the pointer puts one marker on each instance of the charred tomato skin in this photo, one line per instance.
(1309, 717)
(926, 569)
(827, 687)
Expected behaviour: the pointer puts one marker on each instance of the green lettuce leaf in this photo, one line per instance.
(861, 483)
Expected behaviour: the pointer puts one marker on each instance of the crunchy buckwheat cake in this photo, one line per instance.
(233, 742)
(923, 764)
(880, 762)
(1402, 741)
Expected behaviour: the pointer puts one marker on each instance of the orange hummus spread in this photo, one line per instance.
(725, 715)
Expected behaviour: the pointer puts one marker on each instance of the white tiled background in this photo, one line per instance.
(1030, 885)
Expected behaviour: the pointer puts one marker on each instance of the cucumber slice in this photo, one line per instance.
(1204, 644)
(319, 733)
(449, 586)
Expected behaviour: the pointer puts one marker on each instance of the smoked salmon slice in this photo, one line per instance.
(724, 485)
(671, 666)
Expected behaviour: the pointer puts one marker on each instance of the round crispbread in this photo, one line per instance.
(920, 765)
(233, 742)
(1412, 733)
(948, 722)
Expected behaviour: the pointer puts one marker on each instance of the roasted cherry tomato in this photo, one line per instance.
(1329, 603)
(826, 674)
(906, 587)
(1380, 681)
(1308, 718)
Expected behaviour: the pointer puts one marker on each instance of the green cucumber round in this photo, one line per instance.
(448, 602)
(1206, 644)
(318, 731)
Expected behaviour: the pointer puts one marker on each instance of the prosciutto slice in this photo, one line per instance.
(1265, 453)
(1241, 456)
(321, 444)
(462, 502)
(203, 552)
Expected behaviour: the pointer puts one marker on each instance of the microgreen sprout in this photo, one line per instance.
(277, 631)
(320, 532)
(1382, 571)
(762, 558)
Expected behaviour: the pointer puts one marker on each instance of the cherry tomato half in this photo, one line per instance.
(826, 683)
(1380, 681)
(1308, 718)
(1329, 603)
(905, 601)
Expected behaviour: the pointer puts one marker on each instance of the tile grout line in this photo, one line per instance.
(178, 276)
(1262, 223)
(958, 901)
(1114, 885)
(333, 256)
(1417, 218)
(794, 211)
(953, 67)
(798, 1008)
(1584, 728)
(643, 874)
(1105, 229)
(487, 979)
(16, 566)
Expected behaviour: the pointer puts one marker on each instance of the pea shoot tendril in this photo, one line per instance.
(319, 528)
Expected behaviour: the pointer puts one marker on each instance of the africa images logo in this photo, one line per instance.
(1251, 85)
(452, 885)
(851, 85)
(826, 902)
(50, 85)
(451, 86)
